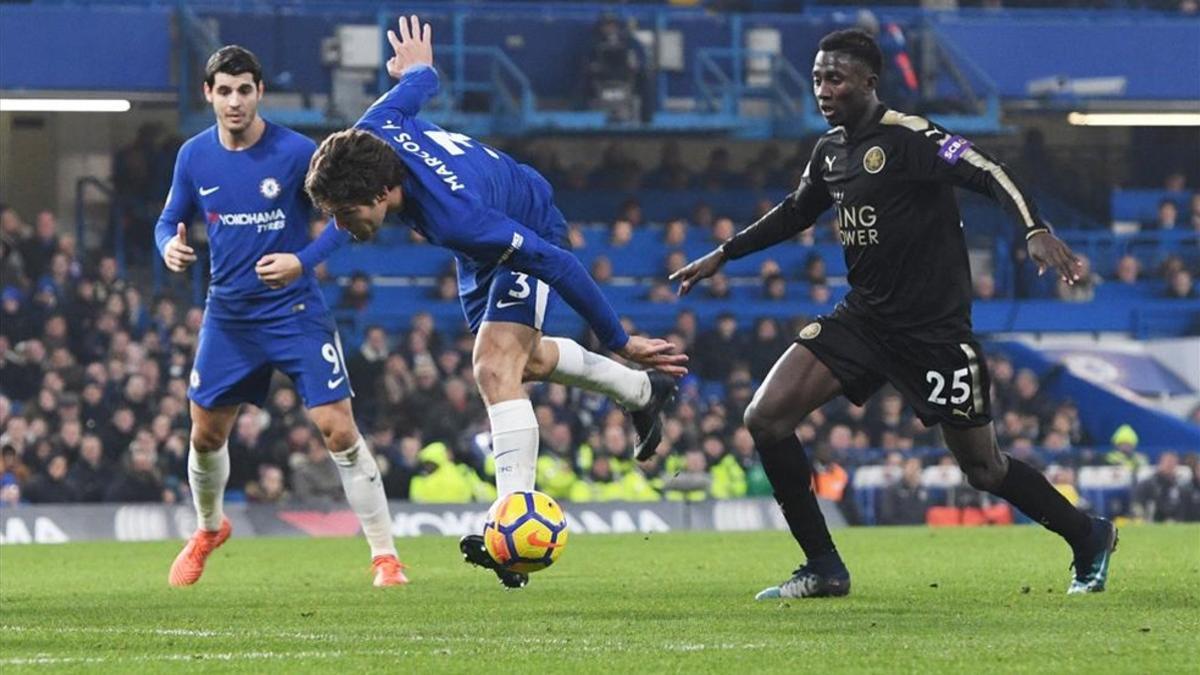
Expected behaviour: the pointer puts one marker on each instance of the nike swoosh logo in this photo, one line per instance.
(204, 192)
(534, 539)
(334, 383)
(372, 478)
(502, 305)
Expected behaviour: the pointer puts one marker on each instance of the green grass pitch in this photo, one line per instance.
(987, 600)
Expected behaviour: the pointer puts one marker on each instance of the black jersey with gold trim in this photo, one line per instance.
(892, 187)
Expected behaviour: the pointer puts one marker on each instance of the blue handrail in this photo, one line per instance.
(718, 69)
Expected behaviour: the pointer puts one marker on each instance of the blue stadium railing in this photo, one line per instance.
(508, 52)
(992, 54)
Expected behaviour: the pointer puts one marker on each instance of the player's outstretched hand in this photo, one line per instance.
(1048, 251)
(278, 269)
(694, 272)
(655, 353)
(413, 46)
(178, 255)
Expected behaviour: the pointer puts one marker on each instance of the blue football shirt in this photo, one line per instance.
(481, 204)
(253, 203)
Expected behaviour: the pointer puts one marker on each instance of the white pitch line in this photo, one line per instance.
(572, 644)
(195, 657)
(170, 632)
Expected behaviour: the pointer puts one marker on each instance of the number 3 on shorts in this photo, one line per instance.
(960, 386)
(522, 290)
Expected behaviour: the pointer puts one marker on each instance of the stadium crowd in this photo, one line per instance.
(93, 407)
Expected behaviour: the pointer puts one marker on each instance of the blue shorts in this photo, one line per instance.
(502, 294)
(234, 361)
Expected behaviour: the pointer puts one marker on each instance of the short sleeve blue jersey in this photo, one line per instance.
(481, 204)
(253, 203)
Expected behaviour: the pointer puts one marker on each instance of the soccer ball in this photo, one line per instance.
(525, 531)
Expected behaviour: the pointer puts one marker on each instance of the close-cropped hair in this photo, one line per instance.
(232, 60)
(856, 43)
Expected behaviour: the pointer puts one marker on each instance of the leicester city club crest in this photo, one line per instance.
(874, 160)
(269, 188)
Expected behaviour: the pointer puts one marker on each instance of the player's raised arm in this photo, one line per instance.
(412, 64)
(796, 213)
(932, 153)
(412, 46)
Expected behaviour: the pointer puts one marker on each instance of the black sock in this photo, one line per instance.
(790, 473)
(1027, 489)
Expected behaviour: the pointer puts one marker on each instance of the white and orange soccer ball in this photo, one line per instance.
(525, 531)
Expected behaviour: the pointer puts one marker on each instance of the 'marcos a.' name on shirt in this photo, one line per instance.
(406, 142)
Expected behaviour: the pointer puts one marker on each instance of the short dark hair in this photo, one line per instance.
(232, 60)
(352, 168)
(856, 43)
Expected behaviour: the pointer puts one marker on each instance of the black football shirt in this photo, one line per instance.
(892, 186)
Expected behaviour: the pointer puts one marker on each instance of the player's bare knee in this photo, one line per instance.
(986, 476)
(496, 380)
(763, 426)
(338, 431)
(486, 375)
(205, 439)
(340, 438)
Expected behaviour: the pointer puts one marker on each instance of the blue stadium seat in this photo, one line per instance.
(1142, 205)
(1108, 488)
(390, 260)
(1117, 291)
(638, 260)
(624, 295)
(869, 483)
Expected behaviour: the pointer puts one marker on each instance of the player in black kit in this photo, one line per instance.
(906, 319)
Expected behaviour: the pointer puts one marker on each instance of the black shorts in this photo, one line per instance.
(944, 382)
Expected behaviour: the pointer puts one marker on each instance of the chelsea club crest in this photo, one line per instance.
(269, 188)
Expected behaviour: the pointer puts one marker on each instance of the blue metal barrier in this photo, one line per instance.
(521, 60)
(494, 50)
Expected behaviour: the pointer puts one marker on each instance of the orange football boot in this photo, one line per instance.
(189, 564)
(389, 571)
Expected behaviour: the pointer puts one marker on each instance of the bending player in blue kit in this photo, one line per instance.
(500, 220)
(246, 175)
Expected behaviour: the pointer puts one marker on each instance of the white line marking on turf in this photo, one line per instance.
(171, 632)
(572, 644)
(42, 660)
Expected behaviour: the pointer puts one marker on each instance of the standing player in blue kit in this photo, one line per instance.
(246, 175)
(499, 218)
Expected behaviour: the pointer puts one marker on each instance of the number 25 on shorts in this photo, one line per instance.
(960, 386)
